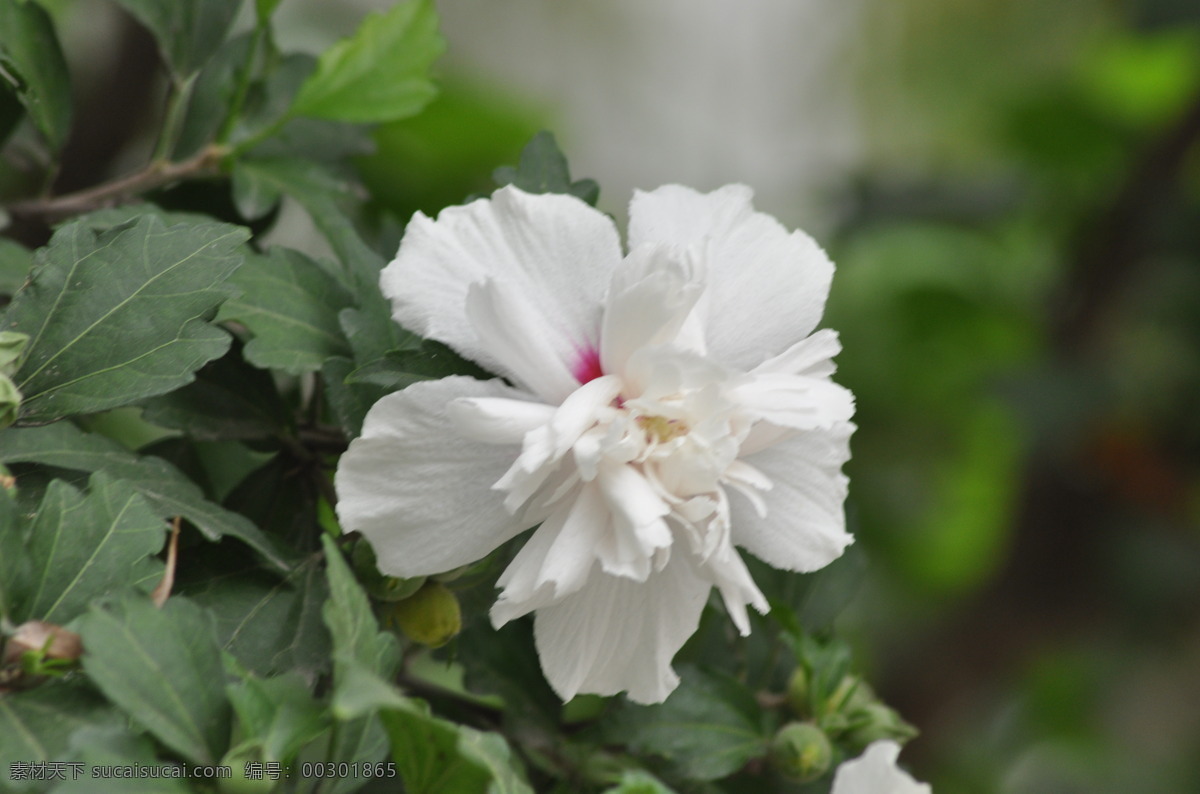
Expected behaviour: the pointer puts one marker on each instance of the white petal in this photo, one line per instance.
(875, 772)
(652, 295)
(509, 332)
(805, 525)
(419, 492)
(728, 572)
(554, 250)
(800, 402)
(495, 420)
(766, 287)
(556, 560)
(637, 528)
(811, 356)
(620, 635)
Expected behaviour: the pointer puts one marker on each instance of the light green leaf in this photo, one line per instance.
(188, 32)
(263, 10)
(291, 307)
(166, 489)
(708, 728)
(269, 625)
(118, 315)
(278, 716)
(33, 68)
(81, 547)
(379, 74)
(37, 725)
(163, 667)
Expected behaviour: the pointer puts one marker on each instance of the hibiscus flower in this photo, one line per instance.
(875, 772)
(657, 410)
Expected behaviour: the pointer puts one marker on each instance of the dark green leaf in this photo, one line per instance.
(117, 746)
(163, 667)
(543, 169)
(278, 716)
(166, 490)
(400, 368)
(32, 67)
(269, 625)
(117, 316)
(188, 32)
(213, 96)
(37, 725)
(291, 306)
(81, 547)
(708, 728)
(352, 625)
(228, 400)
(379, 74)
(349, 402)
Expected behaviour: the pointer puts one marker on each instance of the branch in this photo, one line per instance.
(157, 174)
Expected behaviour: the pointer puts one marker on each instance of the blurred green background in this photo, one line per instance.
(1011, 190)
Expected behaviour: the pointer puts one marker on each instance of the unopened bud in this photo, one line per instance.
(10, 401)
(876, 721)
(431, 616)
(51, 641)
(801, 752)
(12, 351)
(852, 693)
(798, 693)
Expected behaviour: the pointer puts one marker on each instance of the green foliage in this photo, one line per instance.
(188, 32)
(33, 68)
(380, 74)
(543, 169)
(111, 323)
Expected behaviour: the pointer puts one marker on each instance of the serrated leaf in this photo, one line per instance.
(400, 368)
(269, 625)
(708, 728)
(543, 169)
(32, 66)
(37, 725)
(188, 32)
(81, 547)
(117, 316)
(277, 715)
(379, 74)
(166, 490)
(290, 306)
(163, 667)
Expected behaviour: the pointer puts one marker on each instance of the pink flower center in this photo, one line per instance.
(587, 366)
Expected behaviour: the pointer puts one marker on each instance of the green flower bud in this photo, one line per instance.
(237, 783)
(431, 616)
(875, 721)
(10, 401)
(801, 752)
(798, 693)
(379, 586)
(852, 693)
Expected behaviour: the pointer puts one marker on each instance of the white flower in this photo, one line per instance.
(875, 772)
(664, 407)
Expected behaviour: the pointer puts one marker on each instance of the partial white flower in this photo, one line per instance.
(661, 408)
(875, 772)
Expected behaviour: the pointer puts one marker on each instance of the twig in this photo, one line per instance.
(157, 174)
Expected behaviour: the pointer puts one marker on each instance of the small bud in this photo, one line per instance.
(47, 639)
(12, 351)
(431, 616)
(377, 585)
(798, 691)
(852, 693)
(10, 401)
(801, 752)
(875, 721)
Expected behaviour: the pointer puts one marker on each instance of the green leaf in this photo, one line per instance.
(118, 315)
(163, 667)
(15, 263)
(263, 10)
(81, 547)
(229, 400)
(118, 746)
(379, 74)
(14, 573)
(291, 306)
(212, 96)
(352, 625)
(543, 169)
(188, 32)
(166, 490)
(269, 625)
(708, 728)
(638, 782)
(32, 66)
(277, 715)
(400, 368)
(37, 725)
(349, 402)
